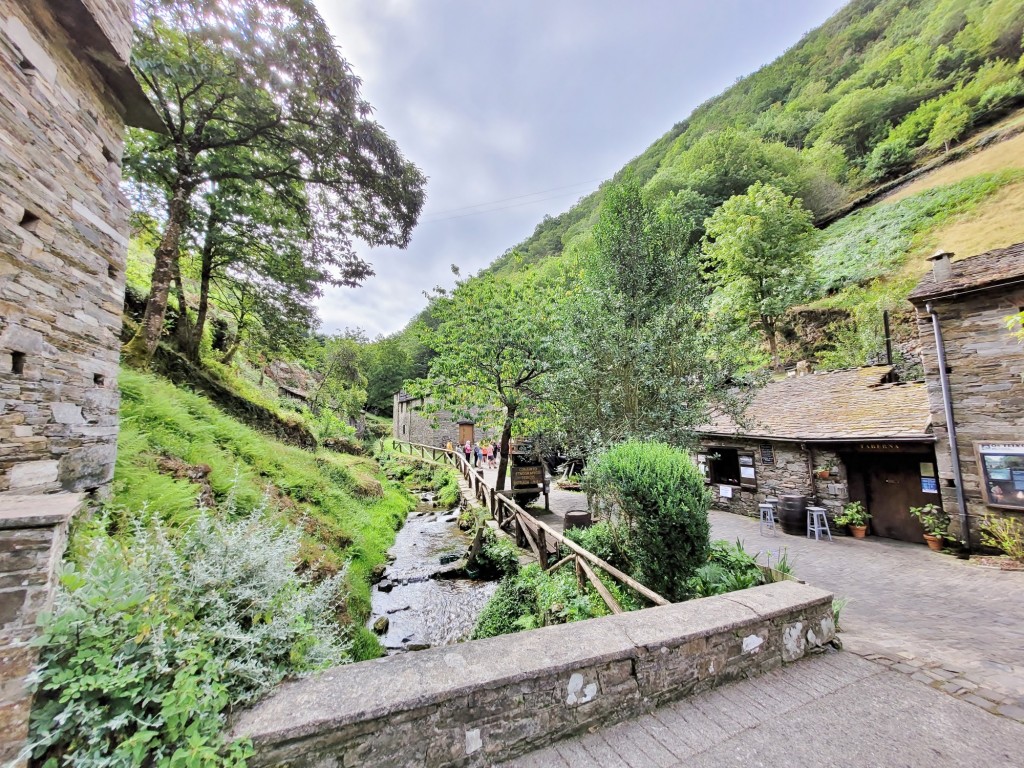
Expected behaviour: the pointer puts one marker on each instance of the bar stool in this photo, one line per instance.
(817, 521)
(769, 518)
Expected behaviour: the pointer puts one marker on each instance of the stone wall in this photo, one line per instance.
(481, 702)
(63, 247)
(986, 377)
(411, 425)
(789, 474)
(33, 532)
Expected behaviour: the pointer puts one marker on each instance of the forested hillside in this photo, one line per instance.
(756, 233)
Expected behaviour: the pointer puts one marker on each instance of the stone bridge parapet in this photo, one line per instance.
(481, 702)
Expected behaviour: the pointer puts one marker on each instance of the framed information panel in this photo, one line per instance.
(1002, 474)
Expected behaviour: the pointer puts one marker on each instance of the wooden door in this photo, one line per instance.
(466, 434)
(891, 485)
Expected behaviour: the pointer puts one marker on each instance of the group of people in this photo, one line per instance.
(480, 455)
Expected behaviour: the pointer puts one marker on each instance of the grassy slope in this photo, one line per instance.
(347, 513)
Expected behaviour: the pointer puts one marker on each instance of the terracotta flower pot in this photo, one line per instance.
(858, 531)
(823, 474)
(934, 542)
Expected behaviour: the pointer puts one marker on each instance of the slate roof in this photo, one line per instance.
(833, 406)
(986, 270)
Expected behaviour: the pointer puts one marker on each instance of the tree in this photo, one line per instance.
(634, 359)
(387, 364)
(950, 124)
(492, 346)
(757, 248)
(241, 104)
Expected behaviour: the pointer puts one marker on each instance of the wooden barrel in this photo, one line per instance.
(793, 514)
(578, 518)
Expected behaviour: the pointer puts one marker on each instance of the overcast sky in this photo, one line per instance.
(516, 109)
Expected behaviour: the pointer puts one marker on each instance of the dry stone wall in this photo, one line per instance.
(33, 532)
(63, 246)
(986, 378)
(481, 702)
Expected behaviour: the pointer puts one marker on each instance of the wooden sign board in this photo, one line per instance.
(527, 476)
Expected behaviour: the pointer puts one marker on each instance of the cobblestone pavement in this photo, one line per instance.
(834, 709)
(947, 623)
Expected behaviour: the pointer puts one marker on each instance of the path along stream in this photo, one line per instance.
(423, 605)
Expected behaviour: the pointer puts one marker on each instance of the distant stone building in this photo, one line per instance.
(968, 302)
(410, 424)
(66, 93)
(869, 436)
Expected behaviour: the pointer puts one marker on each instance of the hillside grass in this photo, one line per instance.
(348, 512)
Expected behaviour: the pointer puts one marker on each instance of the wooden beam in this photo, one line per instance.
(602, 590)
(560, 563)
(611, 570)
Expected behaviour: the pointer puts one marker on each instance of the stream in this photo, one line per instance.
(424, 609)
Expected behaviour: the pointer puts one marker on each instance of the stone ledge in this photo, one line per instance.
(39, 511)
(477, 702)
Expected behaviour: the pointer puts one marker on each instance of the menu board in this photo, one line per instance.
(1002, 474)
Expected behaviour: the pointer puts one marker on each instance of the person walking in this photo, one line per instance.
(448, 446)
(487, 455)
(477, 455)
(468, 450)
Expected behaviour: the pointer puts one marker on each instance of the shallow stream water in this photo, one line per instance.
(424, 611)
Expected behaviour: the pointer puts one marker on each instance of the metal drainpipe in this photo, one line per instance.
(947, 404)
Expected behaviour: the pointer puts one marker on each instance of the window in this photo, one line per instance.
(724, 466)
(18, 362)
(1002, 474)
(729, 466)
(97, 379)
(29, 221)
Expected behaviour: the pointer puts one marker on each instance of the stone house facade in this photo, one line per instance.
(66, 93)
(969, 301)
(834, 437)
(411, 423)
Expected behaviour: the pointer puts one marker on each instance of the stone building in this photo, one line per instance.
(66, 93)
(411, 423)
(835, 437)
(967, 304)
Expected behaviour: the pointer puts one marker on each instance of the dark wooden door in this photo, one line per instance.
(889, 484)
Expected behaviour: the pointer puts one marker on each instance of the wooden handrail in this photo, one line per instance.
(584, 558)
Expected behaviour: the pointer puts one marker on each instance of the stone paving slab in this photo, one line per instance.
(835, 709)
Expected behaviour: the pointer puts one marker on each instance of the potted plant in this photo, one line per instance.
(854, 517)
(824, 471)
(935, 522)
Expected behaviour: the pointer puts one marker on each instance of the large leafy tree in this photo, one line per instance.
(492, 344)
(256, 92)
(634, 358)
(756, 250)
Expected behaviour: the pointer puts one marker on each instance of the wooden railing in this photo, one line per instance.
(530, 532)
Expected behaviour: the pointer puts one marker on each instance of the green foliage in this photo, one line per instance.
(348, 516)
(874, 241)
(853, 514)
(728, 568)
(515, 598)
(1003, 533)
(757, 249)
(890, 158)
(602, 539)
(498, 556)
(933, 518)
(660, 498)
(634, 358)
(152, 640)
(951, 123)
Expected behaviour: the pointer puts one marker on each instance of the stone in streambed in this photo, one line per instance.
(380, 626)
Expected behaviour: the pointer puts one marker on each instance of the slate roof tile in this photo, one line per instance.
(851, 404)
(986, 269)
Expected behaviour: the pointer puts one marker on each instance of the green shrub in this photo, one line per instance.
(512, 607)
(498, 556)
(890, 158)
(729, 568)
(602, 539)
(659, 496)
(152, 640)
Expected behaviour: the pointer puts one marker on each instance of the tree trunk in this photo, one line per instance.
(183, 331)
(773, 347)
(506, 438)
(230, 354)
(139, 350)
(206, 274)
